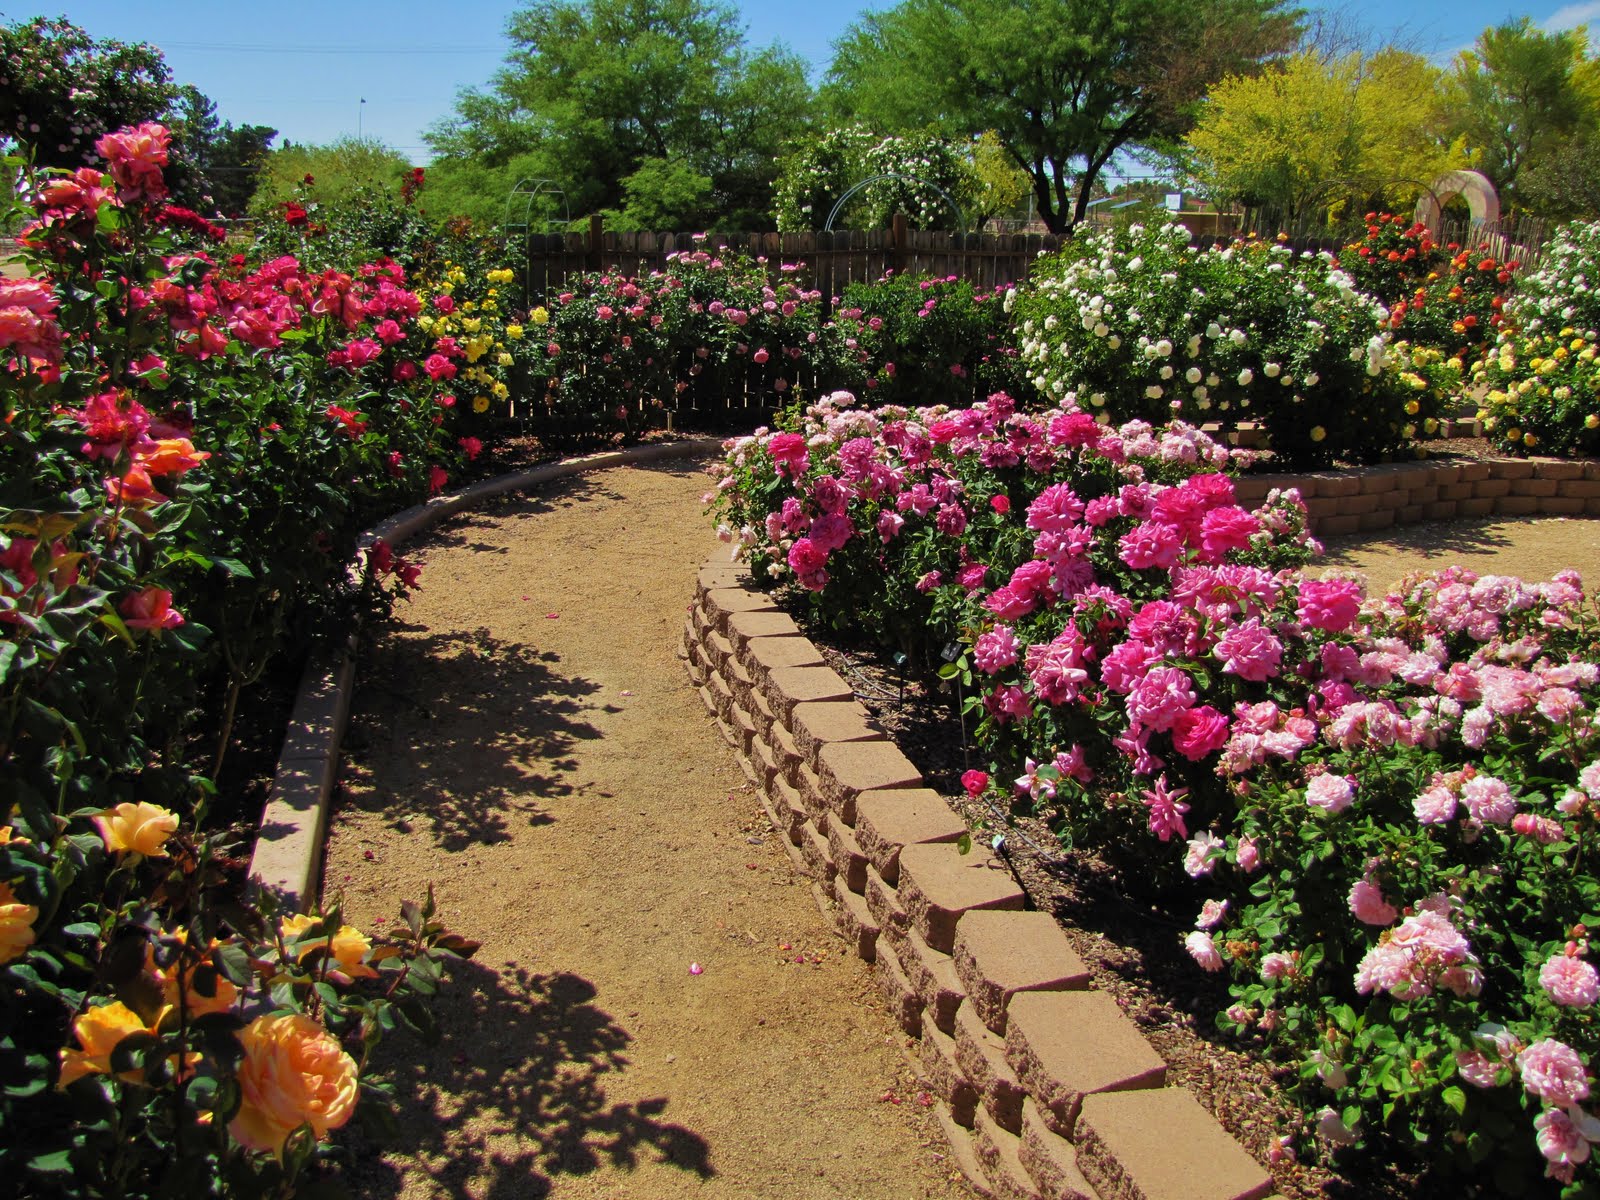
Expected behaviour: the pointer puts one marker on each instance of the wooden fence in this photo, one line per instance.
(831, 261)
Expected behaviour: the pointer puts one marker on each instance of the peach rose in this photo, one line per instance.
(294, 1073)
(142, 828)
(16, 923)
(98, 1031)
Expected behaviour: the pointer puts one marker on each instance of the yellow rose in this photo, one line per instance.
(500, 390)
(9, 838)
(514, 332)
(1318, 433)
(348, 947)
(142, 828)
(539, 316)
(221, 999)
(16, 922)
(99, 1030)
(503, 359)
(293, 1074)
(480, 404)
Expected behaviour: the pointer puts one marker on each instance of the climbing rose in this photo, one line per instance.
(1203, 950)
(1553, 1071)
(1570, 981)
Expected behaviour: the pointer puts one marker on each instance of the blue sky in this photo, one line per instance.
(304, 67)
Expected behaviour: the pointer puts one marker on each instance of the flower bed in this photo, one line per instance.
(191, 446)
(1386, 802)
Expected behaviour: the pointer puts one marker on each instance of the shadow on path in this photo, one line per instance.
(1434, 537)
(473, 731)
(514, 1094)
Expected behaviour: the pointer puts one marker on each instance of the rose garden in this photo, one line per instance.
(1077, 515)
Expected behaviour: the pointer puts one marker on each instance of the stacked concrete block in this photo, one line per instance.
(1364, 499)
(1045, 1090)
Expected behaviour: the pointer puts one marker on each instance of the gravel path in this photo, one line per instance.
(526, 739)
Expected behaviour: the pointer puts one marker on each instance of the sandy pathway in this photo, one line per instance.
(1534, 548)
(526, 739)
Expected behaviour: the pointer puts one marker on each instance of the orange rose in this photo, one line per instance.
(98, 1031)
(16, 923)
(142, 828)
(170, 456)
(294, 1073)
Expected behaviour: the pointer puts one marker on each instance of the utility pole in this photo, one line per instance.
(361, 113)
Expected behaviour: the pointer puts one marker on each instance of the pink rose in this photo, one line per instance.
(1203, 950)
(974, 783)
(1331, 605)
(1570, 981)
(1197, 732)
(1331, 793)
(1369, 907)
(1554, 1072)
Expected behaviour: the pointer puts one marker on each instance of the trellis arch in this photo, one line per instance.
(1473, 186)
(961, 219)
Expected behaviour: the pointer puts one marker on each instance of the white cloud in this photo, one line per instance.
(1570, 16)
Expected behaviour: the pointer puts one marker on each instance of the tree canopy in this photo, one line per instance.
(635, 102)
(1316, 132)
(1064, 84)
(1520, 95)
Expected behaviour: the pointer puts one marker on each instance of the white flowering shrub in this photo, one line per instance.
(820, 170)
(1136, 322)
(1543, 377)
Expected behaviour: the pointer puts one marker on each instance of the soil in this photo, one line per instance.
(526, 740)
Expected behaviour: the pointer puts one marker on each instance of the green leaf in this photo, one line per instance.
(964, 843)
(1455, 1099)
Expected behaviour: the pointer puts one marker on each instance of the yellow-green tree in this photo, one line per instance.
(1306, 137)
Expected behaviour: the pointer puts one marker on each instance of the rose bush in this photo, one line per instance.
(615, 349)
(1137, 323)
(1384, 806)
(919, 340)
(1541, 377)
(191, 444)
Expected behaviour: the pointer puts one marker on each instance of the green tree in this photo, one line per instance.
(594, 89)
(998, 186)
(1064, 84)
(1520, 94)
(1309, 135)
(336, 174)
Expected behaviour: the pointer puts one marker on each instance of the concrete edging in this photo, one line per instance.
(1046, 1090)
(289, 844)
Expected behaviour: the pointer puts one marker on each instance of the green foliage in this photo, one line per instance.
(1136, 323)
(1518, 95)
(349, 173)
(1308, 136)
(1063, 84)
(60, 89)
(595, 89)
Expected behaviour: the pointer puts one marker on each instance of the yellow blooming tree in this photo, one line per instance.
(1304, 138)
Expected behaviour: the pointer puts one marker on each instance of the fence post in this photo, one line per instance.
(898, 237)
(597, 228)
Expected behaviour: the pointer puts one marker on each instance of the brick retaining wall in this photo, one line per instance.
(1045, 1089)
(1371, 498)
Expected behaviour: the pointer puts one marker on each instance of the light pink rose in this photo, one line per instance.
(1204, 951)
(1331, 793)
(1554, 1072)
(1570, 981)
(1369, 907)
